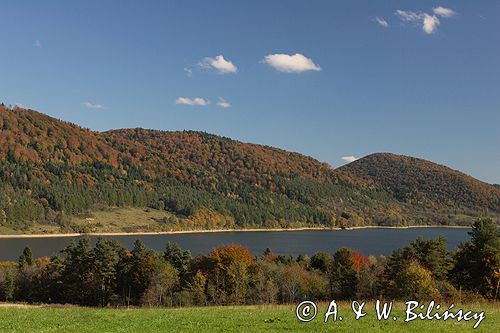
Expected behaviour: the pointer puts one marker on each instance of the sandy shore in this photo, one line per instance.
(97, 234)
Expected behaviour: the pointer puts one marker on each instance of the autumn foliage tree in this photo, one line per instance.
(230, 274)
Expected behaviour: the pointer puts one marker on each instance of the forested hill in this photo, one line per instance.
(51, 170)
(199, 155)
(422, 182)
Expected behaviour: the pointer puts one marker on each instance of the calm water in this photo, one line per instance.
(367, 241)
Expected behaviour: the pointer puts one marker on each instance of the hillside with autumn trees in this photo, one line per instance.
(51, 171)
(421, 182)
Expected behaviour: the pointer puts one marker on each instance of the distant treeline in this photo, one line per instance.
(109, 275)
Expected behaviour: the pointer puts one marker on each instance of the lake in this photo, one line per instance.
(378, 241)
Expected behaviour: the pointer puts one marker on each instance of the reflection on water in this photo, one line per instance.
(367, 241)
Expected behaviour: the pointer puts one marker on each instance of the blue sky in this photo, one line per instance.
(329, 79)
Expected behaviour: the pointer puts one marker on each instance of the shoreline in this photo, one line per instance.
(202, 231)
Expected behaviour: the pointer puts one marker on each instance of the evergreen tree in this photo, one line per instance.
(78, 274)
(26, 258)
(179, 258)
(477, 263)
(9, 285)
(343, 278)
(106, 258)
(321, 261)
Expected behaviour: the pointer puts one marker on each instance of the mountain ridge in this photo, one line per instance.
(53, 169)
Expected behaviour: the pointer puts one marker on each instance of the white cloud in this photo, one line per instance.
(19, 105)
(408, 16)
(223, 103)
(430, 23)
(38, 44)
(381, 21)
(296, 63)
(96, 106)
(444, 12)
(192, 101)
(349, 159)
(221, 65)
(189, 71)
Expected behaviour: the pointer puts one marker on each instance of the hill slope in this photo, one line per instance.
(51, 170)
(422, 182)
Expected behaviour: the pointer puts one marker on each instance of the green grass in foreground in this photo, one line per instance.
(224, 319)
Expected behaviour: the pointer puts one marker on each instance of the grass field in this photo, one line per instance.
(225, 319)
(128, 219)
(108, 220)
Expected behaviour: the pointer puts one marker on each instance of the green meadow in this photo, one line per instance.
(225, 319)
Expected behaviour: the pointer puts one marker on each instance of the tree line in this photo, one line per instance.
(107, 274)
